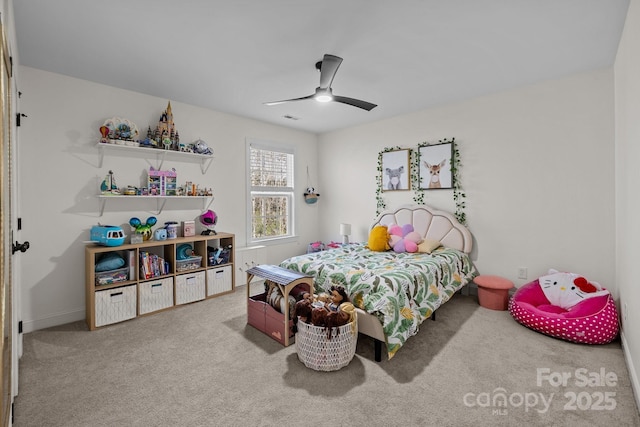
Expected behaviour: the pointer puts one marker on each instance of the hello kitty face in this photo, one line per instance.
(568, 289)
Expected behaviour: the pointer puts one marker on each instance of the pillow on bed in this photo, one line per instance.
(379, 239)
(404, 239)
(428, 245)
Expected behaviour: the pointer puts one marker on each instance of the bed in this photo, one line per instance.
(395, 292)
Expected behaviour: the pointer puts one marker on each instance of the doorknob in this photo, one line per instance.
(22, 247)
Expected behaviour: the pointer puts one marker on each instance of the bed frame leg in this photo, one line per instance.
(377, 346)
(433, 316)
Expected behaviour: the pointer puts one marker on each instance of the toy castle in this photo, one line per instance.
(165, 134)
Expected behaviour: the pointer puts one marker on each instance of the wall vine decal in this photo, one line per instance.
(459, 195)
(380, 203)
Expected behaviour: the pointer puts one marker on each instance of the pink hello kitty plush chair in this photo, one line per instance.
(566, 306)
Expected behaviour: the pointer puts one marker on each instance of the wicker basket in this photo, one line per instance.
(320, 353)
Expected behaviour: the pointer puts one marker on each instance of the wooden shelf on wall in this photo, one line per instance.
(158, 154)
(160, 200)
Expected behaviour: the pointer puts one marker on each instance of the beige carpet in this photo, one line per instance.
(201, 365)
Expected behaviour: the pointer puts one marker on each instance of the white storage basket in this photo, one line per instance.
(219, 280)
(190, 287)
(115, 305)
(156, 295)
(320, 353)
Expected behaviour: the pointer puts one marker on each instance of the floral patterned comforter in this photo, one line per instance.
(401, 290)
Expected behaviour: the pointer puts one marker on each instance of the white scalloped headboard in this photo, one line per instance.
(431, 224)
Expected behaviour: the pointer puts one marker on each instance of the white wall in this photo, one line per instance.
(537, 169)
(627, 93)
(60, 179)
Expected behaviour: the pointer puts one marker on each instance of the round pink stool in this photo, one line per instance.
(493, 291)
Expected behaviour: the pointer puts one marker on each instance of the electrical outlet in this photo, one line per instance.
(522, 272)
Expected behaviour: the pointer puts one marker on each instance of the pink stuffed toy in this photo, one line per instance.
(404, 239)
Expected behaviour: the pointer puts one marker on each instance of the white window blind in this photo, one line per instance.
(271, 192)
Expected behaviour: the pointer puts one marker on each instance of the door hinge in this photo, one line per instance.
(20, 327)
(18, 116)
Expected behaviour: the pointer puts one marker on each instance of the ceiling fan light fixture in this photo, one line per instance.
(324, 98)
(323, 95)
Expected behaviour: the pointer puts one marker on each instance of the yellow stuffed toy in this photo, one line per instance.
(379, 239)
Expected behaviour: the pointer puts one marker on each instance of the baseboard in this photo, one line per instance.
(635, 385)
(54, 320)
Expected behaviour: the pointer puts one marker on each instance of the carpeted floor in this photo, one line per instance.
(201, 365)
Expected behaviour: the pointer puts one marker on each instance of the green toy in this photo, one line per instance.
(144, 229)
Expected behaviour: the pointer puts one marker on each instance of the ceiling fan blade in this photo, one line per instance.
(289, 100)
(328, 69)
(355, 102)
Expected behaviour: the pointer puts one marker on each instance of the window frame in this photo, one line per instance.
(289, 192)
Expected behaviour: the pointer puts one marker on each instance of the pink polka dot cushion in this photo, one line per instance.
(592, 321)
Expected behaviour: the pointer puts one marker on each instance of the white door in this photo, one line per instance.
(9, 303)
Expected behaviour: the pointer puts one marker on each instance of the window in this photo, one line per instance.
(271, 191)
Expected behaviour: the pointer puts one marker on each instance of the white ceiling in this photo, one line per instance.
(235, 55)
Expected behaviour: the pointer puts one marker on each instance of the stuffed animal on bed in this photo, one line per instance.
(568, 289)
(404, 239)
(379, 239)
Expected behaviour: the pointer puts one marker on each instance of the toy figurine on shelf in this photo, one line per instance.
(108, 186)
(104, 131)
(165, 134)
(209, 219)
(143, 229)
(107, 235)
(119, 131)
(201, 147)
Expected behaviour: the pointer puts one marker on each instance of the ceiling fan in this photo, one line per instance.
(328, 68)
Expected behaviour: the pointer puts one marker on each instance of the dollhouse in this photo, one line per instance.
(162, 183)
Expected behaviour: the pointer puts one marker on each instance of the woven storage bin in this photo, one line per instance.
(115, 305)
(190, 287)
(155, 295)
(219, 280)
(318, 352)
